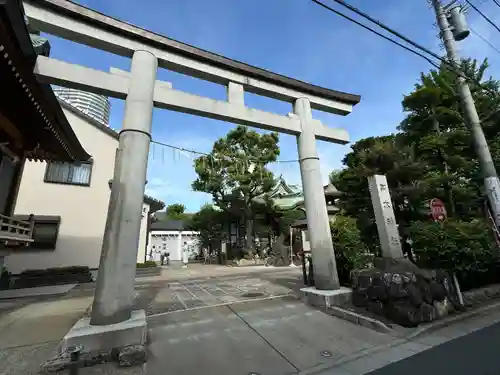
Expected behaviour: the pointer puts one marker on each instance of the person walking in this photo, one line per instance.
(185, 255)
(206, 256)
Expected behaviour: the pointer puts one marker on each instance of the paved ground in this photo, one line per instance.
(193, 291)
(237, 323)
(464, 348)
(274, 336)
(475, 353)
(36, 292)
(30, 331)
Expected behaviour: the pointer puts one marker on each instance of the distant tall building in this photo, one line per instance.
(94, 105)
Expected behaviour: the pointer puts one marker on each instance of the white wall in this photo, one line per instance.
(306, 245)
(172, 242)
(83, 209)
(141, 252)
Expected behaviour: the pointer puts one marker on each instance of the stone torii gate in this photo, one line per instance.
(114, 294)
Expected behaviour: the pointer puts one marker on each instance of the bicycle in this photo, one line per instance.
(274, 261)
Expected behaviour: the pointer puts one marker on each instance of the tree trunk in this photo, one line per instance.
(249, 245)
(279, 248)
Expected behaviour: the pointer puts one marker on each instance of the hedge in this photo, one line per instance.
(147, 264)
(465, 248)
(53, 276)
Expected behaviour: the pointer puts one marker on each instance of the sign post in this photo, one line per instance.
(384, 216)
(438, 210)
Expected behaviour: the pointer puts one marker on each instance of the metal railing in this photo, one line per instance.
(15, 232)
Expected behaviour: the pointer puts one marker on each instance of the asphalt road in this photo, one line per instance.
(477, 353)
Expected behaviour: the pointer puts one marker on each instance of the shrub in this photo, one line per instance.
(53, 276)
(5, 278)
(465, 248)
(147, 264)
(350, 250)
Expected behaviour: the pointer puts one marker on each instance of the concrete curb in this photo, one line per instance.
(381, 327)
(359, 319)
(438, 324)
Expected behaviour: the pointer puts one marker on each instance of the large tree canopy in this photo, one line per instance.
(431, 156)
(235, 172)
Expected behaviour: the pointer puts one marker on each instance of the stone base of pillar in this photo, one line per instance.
(326, 298)
(113, 336)
(122, 342)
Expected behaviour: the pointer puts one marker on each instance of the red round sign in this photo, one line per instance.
(438, 210)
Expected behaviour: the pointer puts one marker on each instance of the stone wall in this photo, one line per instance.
(403, 293)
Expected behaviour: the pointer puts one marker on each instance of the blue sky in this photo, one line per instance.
(291, 37)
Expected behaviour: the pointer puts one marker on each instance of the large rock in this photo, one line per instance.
(402, 292)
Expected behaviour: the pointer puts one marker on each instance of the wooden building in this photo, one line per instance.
(32, 123)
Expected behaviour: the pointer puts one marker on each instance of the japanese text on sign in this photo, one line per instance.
(394, 240)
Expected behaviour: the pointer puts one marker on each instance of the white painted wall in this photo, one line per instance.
(172, 241)
(141, 252)
(83, 209)
(306, 245)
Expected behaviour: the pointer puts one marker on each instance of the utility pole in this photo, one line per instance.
(458, 31)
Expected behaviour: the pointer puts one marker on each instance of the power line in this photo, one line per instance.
(485, 40)
(206, 154)
(451, 66)
(483, 15)
(497, 3)
(392, 31)
(376, 32)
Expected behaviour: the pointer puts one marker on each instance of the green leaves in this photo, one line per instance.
(456, 246)
(176, 211)
(431, 157)
(236, 167)
(235, 172)
(350, 251)
(210, 223)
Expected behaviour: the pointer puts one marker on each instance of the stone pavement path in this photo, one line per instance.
(240, 324)
(200, 294)
(30, 333)
(273, 336)
(234, 324)
(466, 347)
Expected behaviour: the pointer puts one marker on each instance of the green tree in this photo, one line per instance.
(431, 156)
(235, 172)
(350, 250)
(435, 125)
(176, 211)
(210, 222)
(390, 156)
